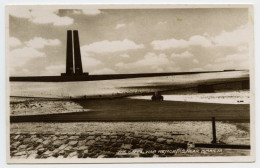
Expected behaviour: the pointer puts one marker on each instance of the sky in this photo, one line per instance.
(117, 41)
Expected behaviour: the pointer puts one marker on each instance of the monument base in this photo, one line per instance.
(82, 74)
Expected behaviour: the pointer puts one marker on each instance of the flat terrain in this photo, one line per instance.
(124, 109)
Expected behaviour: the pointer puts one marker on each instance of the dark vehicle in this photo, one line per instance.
(157, 96)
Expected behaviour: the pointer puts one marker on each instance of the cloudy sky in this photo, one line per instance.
(129, 40)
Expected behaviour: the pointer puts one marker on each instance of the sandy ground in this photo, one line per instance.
(123, 86)
(231, 97)
(32, 106)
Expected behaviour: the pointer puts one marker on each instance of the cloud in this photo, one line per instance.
(233, 57)
(54, 69)
(238, 37)
(28, 51)
(162, 23)
(196, 69)
(103, 71)
(89, 62)
(61, 21)
(120, 25)
(41, 16)
(91, 11)
(120, 64)
(20, 56)
(185, 54)
(169, 44)
(124, 55)
(111, 46)
(151, 62)
(226, 50)
(39, 42)
(242, 48)
(234, 38)
(208, 66)
(14, 42)
(228, 65)
(151, 59)
(77, 11)
(21, 71)
(230, 61)
(196, 40)
(195, 61)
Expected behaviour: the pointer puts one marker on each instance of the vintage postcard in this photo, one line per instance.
(130, 83)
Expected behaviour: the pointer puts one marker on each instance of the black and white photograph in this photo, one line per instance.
(130, 83)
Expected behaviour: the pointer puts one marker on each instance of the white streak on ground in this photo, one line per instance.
(233, 97)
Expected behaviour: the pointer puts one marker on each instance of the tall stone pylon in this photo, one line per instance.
(69, 54)
(77, 55)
